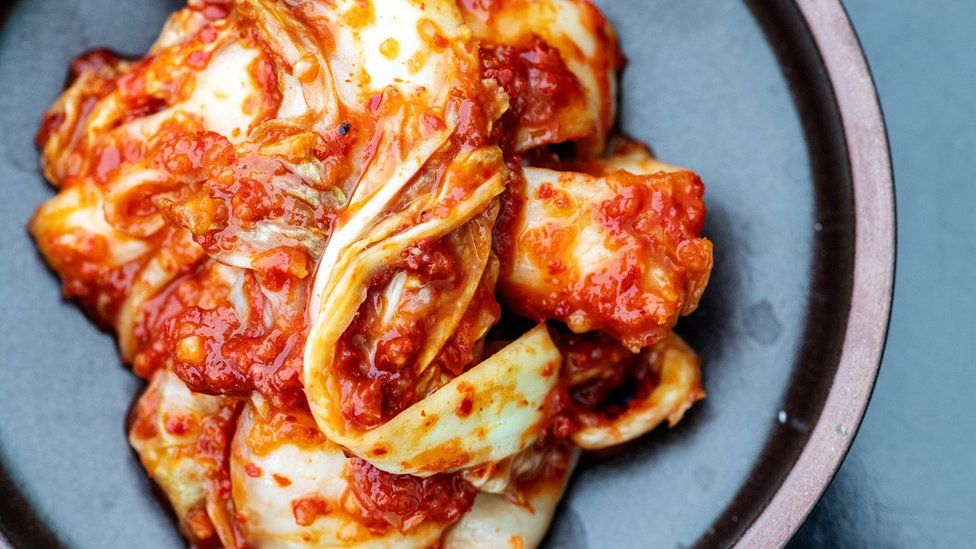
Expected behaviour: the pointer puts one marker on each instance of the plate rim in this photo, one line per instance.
(872, 179)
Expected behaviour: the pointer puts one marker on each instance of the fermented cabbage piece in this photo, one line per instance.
(516, 519)
(96, 262)
(182, 439)
(666, 380)
(559, 62)
(489, 413)
(293, 488)
(616, 252)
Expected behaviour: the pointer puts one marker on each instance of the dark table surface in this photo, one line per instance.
(910, 478)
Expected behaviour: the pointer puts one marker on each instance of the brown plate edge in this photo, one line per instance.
(874, 270)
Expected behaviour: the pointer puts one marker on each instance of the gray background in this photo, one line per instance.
(910, 478)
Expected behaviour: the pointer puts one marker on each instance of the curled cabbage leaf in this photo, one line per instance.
(678, 370)
(618, 252)
(489, 413)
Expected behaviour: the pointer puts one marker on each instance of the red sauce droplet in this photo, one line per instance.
(252, 470)
(433, 122)
(374, 103)
(465, 407)
(307, 510)
(179, 425)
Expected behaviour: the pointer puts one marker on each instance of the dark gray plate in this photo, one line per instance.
(769, 101)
